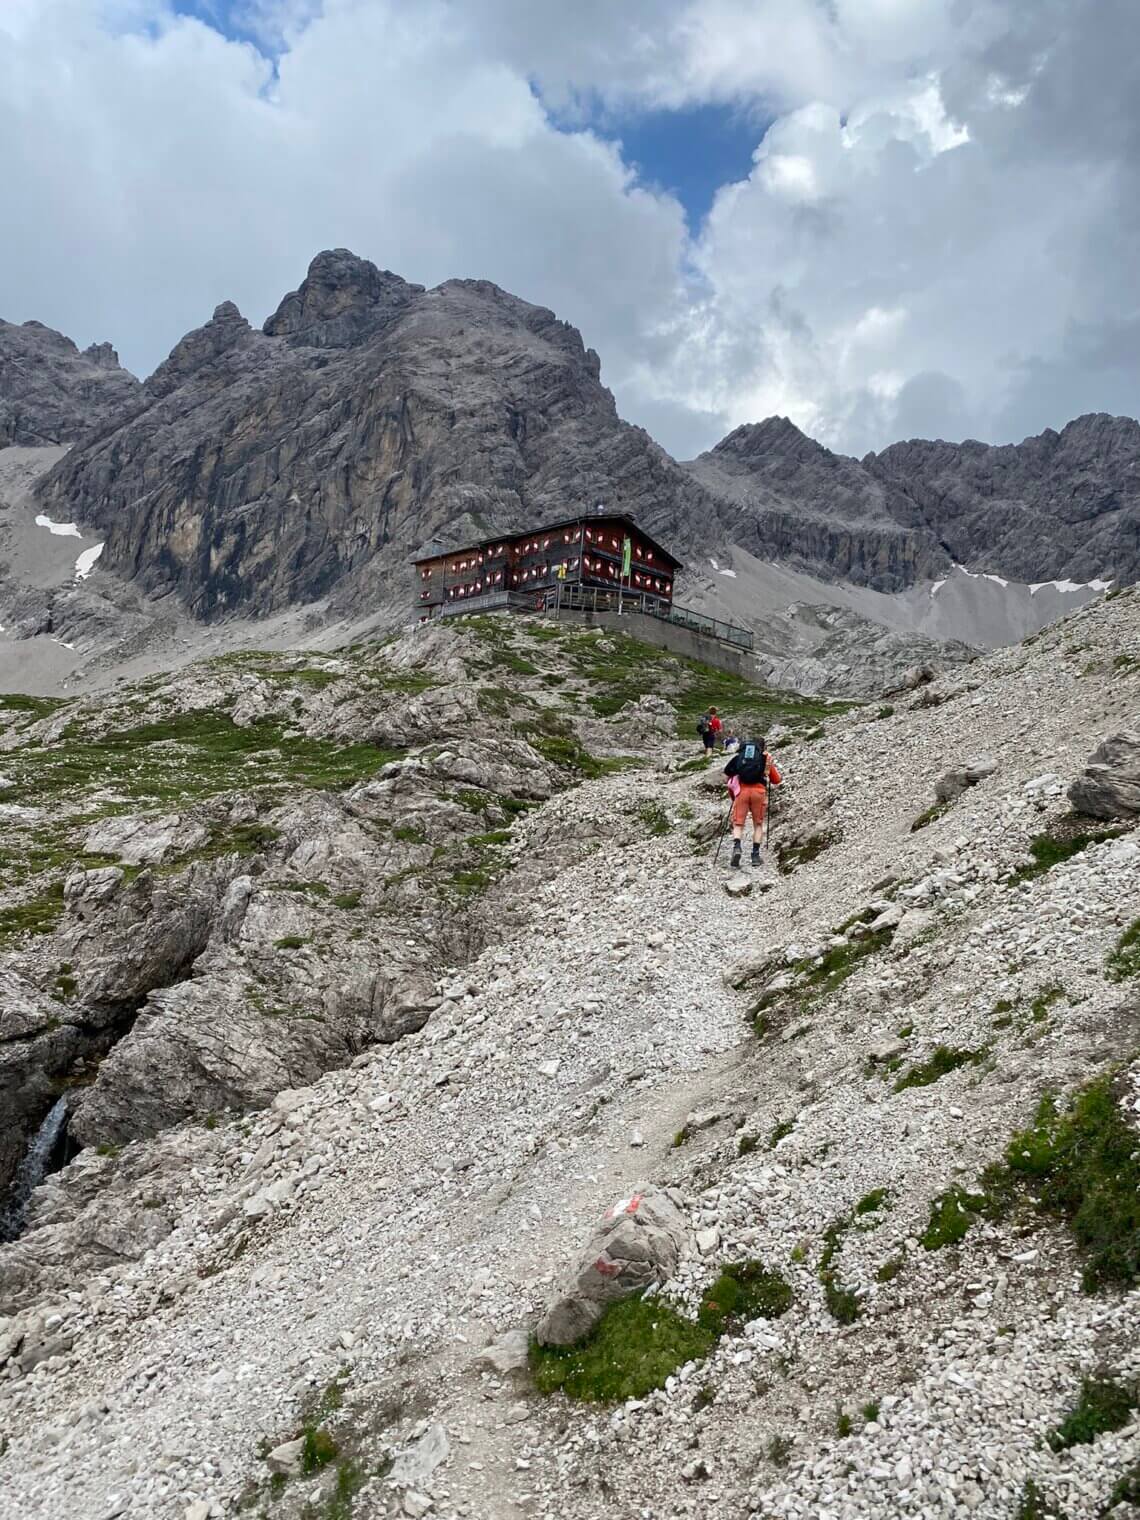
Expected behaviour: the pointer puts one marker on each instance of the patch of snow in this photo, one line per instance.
(65, 644)
(936, 588)
(714, 564)
(727, 572)
(982, 575)
(1067, 587)
(86, 561)
(62, 530)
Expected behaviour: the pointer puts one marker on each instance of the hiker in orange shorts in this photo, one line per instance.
(750, 772)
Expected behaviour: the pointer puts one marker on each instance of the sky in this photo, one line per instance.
(881, 218)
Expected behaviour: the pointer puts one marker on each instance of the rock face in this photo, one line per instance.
(816, 510)
(263, 469)
(1109, 786)
(52, 393)
(1060, 505)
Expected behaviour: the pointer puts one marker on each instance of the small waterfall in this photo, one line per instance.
(32, 1170)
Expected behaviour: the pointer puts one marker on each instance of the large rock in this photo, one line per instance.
(638, 1243)
(1109, 786)
(959, 780)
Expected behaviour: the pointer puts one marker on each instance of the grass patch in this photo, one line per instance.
(1047, 852)
(871, 1202)
(744, 1291)
(936, 810)
(1039, 1007)
(1124, 961)
(945, 1059)
(637, 1344)
(821, 977)
(1104, 1405)
(407, 833)
(319, 1449)
(951, 1215)
(870, 1411)
(842, 1303)
(1080, 1166)
(189, 756)
(38, 915)
(783, 1129)
(654, 819)
(1033, 1505)
(889, 1270)
(1084, 1165)
(844, 1424)
(290, 942)
(789, 857)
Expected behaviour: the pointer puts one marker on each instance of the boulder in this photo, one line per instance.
(738, 886)
(957, 781)
(1109, 785)
(637, 1244)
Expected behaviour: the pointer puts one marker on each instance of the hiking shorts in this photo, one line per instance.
(750, 799)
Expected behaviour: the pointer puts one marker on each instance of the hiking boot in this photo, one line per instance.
(755, 854)
(736, 855)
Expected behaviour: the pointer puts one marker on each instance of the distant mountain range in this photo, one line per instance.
(261, 469)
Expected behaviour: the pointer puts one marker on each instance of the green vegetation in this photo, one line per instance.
(1126, 1490)
(37, 915)
(35, 707)
(843, 1424)
(871, 1202)
(870, 1411)
(889, 1270)
(1084, 1165)
(784, 1128)
(1048, 851)
(290, 942)
(1124, 961)
(1033, 1505)
(945, 1059)
(654, 818)
(347, 899)
(407, 833)
(1103, 1405)
(189, 756)
(842, 1303)
(1081, 1166)
(819, 978)
(780, 1450)
(639, 1342)
(319, 1449)
(936, 810)
(790, 856)
(951, 1215)
(744, 1291)
(1039, 1007)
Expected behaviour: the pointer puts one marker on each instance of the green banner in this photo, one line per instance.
(626, 556)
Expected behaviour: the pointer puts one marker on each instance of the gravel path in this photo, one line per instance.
(388, 1223)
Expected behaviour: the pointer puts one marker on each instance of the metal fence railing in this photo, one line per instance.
(579, 598)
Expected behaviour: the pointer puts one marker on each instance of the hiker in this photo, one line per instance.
(750, 772)
(709, 727)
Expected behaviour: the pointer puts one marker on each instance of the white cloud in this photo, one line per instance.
(935, 235)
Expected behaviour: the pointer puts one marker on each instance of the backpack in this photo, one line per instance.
(703, 727)
(750, 765)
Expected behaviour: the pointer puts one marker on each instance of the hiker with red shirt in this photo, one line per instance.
(712, 729)
(750, 772)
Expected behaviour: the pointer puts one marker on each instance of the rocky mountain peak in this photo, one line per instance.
(341, 300)
(227, 329)
(775, 435)
(49, 391)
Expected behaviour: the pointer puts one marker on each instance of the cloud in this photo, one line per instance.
(935, 236)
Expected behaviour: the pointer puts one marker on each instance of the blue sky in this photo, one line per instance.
(689, 152)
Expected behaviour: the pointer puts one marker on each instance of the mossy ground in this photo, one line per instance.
(1049, 850)
(640, 1342)
(943, 1060)
(1080, 1165)
(1104, 1405)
